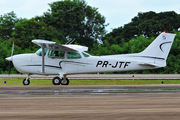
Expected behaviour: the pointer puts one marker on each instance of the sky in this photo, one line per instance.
(117, 12)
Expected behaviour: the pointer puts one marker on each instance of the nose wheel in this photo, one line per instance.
(26, 81)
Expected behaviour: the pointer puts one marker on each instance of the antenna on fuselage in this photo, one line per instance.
(70, 41)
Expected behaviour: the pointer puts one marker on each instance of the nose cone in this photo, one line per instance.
(21, 61)
(9, 58)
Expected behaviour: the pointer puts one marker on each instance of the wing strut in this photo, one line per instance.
(43, 46)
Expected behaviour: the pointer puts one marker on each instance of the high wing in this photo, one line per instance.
(59, 46)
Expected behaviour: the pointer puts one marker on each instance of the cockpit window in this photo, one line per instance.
(39, 52)
(85, 54)
(56, 54)
(73, 55)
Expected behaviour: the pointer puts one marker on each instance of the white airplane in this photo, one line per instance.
(63, 60)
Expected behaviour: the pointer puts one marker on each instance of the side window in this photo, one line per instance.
(73, 55)
(56, 54)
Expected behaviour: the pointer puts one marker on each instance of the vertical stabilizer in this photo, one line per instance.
(159, 49)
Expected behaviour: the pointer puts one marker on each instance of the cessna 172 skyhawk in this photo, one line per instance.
(63, 60)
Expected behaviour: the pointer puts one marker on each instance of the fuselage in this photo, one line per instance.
(84, 63)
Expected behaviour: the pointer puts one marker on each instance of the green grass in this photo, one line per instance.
(18, 81)
(122, 82)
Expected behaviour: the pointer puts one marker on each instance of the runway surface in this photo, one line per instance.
(142, 102)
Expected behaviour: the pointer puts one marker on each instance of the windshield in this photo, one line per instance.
(39, 52)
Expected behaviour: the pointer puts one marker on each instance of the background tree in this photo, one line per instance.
(7, 22)
(148, 24)
(76, 19)
(151, 23)
(27, 30)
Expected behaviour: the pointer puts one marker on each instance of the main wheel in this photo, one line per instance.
(56, 81)
(64, 82)
(26, 82)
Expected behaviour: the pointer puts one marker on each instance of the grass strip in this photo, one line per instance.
(18, 81)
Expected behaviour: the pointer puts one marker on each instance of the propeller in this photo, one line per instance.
(10, 61)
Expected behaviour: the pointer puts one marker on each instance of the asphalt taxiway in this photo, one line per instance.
(137, 102)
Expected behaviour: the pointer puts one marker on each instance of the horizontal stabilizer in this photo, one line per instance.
(151, 64)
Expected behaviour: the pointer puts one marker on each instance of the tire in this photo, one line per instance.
(56, 81)
(66, 82)
(26, 82)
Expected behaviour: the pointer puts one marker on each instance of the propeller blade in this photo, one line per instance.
(9, 71)
(10, 62)
(12, 51)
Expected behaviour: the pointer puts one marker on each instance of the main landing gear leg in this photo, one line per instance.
(26, 81)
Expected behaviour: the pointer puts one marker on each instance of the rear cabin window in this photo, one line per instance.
(85, 54)
(73, 55)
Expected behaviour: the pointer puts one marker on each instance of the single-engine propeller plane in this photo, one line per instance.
(63, 60)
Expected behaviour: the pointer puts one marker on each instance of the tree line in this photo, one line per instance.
(74, 19)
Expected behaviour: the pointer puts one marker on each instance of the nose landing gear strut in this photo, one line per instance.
(26, 81)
